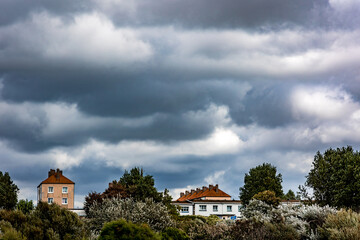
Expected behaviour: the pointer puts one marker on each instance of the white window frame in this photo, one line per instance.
(202, 208)
(50, 200)
(229, 207)
(183, 209)
(64, 202)
(215, 208)
(52, 189)
(67, 190)
(239, 208)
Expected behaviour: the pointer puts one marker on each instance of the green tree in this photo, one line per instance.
(25, 206)
(259, 179)
(290, 195)
(8, 192)
(335, 178)
(121, 229)
(140, 186)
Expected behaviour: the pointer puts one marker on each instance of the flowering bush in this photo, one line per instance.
(154, 214)
(306, 220)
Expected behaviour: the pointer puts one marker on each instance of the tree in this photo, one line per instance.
(25, 206)
(259, 179)
(267, 197)
(138, 186)
(335, 178)
(290, 195)
(8, 192)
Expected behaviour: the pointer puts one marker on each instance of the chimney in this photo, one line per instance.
(186, 192)
(217, 188)
(192, 191)
(204, 188)
(211, 187)
(181, 194)
(111, 185)
(51, 172)
(58, 173)
(197, 190)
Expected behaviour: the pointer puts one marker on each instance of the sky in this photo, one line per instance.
(195, 92)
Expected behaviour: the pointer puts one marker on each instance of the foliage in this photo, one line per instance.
(121, 229)
(267, 197)
(154, 214)
(172, 233)
(25, 206)
(46, 222)
(258, 210)
(133, 185)
(344, 225)
(305, 220)
(335, 178)
(8, 192)
(290, 195)
(200, 230)
(138, 186)
(259, 179)
(7, 232)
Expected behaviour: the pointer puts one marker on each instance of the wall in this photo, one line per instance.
(58, 195)
(222, 209)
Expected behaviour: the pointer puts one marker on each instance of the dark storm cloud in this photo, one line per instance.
(17, 10)
(229, 13)
(193, 14)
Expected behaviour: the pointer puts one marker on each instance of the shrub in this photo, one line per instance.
(7, 232)
(171, 233)
(342, 225)
(267, 197)
(46, 222)
(122, 229)
(154, 214)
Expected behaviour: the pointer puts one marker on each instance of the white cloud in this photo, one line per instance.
(322, 103)
(90, 39)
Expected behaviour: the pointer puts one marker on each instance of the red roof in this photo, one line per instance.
(57, 177)
(211, 191)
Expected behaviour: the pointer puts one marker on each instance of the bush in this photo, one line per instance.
(154, 214)
(46, 222)
(7, 232)
(122, 229)
(174, 234)
(267, 197)
(342, 225)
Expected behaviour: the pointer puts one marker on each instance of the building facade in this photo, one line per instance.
(208, 201)
(57, 189)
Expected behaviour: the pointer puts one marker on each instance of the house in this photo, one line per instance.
(208, 201)
(291, 202)
(57, 189)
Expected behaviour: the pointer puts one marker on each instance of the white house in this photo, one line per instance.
(208, 201)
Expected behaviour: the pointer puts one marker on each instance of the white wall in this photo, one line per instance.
(222, 209)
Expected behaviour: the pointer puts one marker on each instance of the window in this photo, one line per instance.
(239, 208)
(229, 208)
(64, 190)
(50, 189)
(184, 209)
(215, 208)
(64, 201)
(202, 208)
(50, 200)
